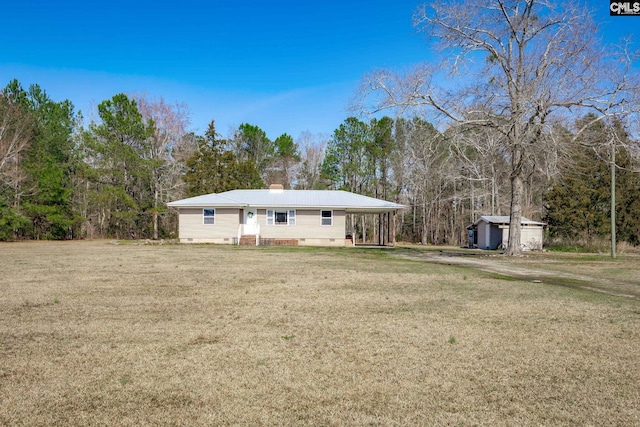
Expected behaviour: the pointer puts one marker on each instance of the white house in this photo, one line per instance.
(492, 232)
(276, 216)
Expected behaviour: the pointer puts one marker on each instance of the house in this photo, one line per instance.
(492, 232)
(276, 216)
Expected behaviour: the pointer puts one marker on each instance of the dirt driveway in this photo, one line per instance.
(598, 273)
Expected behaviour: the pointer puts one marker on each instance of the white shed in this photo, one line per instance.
(492, 232)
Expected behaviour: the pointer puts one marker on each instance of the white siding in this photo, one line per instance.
(191, 228)
(308, 226)
(505, 236)
(531, 238)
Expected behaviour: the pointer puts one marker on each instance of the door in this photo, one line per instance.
(250, 221)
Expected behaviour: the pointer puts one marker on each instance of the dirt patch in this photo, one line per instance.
(528, 269)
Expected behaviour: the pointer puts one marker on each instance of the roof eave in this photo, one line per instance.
(349, 209)
(204, 205)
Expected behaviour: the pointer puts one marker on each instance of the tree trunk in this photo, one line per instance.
(155, 213)
(423, 236)
(515, 223)
(493, 190)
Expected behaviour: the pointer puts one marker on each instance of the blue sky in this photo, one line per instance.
(286, 66)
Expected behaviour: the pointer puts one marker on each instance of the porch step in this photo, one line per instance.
(247, 240)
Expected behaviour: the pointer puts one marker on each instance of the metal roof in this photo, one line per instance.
(504, 219)
(334, 199)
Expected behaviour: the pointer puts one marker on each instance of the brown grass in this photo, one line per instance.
(93, 333)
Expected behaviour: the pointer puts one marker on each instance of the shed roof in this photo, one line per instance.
(330, 199)
(503, 220)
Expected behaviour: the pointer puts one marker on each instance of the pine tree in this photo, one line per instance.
(578, 202)
(215, 169)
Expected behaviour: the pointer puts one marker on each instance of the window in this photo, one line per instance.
(281, 217)
(327, 217)
(208, 216)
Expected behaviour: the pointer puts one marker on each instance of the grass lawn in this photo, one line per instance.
(95, 333)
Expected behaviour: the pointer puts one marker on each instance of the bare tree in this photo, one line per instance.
(425, 163)
(312, 147)
(479, 152)
(16, 128)
(520, 61)
(170, 124)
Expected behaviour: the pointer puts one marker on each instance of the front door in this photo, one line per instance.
(250, 221)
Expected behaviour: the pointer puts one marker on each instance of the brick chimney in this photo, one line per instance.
(276, 188)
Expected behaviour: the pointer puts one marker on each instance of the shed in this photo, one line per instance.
(492, 232)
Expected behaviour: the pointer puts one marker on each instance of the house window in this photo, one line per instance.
(281, 217)
(327, 217)
(208, 216)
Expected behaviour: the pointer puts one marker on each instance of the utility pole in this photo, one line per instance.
(473, 213)
(613, 199)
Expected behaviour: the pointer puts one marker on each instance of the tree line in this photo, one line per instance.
(61, 179)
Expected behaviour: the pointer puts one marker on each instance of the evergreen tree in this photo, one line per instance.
(251, 144)
(577, 203)
(383, 150)
(215, 169)
(119, 170)
(347, 163)
(579, 200)
(49, 163)
(286, 159)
